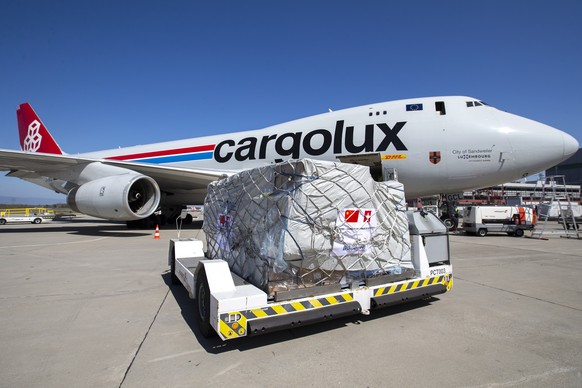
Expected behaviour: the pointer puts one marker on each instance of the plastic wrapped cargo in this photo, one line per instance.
(305, 223)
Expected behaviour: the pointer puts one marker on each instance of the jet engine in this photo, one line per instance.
(124, 197)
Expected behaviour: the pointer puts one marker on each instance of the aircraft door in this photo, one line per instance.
(378, 168)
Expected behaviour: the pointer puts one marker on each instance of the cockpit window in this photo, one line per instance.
(471, 104)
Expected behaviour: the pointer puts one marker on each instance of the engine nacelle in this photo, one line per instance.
(124, 197)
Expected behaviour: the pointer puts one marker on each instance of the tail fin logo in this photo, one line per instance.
(33, 138)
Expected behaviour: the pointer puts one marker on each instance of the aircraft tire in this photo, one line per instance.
(203, 304)
(451, 224)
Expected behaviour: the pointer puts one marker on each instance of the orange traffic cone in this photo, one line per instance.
(157, 233)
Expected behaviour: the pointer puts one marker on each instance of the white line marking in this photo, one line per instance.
(53, 244)
(175, 355)
(228, 369)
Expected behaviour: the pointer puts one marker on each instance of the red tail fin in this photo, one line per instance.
(34, 137)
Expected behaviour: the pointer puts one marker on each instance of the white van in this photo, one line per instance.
(513, 220)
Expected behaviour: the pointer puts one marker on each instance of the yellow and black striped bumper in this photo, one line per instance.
(411, 290)
(303, 312)
(284, 315)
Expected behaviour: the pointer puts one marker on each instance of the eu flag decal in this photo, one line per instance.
(413, 107)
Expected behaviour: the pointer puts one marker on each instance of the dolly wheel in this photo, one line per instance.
(203, 303)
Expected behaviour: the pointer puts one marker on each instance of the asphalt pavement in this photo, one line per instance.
(88, 303)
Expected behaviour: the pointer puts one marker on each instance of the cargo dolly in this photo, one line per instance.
(232, 308)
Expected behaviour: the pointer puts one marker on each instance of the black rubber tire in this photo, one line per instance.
(482, 232)
(203, 304)
(2, 221)
(173, 278)
(37, 221)
(449, 223)
(518, 232)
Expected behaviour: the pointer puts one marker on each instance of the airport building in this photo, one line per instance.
(571, 168)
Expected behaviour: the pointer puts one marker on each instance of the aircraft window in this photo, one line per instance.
(440, 107)
(370, 114)
(476, 103)
(384, 112)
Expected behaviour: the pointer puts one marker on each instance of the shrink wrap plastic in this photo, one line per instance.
(305, 223)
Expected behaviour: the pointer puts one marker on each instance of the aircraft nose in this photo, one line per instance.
(536, 146)
(570, 145)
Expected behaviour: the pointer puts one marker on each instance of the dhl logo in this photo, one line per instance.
(393, 156)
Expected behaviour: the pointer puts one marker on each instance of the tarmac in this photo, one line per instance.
(88, 303)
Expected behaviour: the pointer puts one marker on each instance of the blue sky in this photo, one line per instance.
(119, 73)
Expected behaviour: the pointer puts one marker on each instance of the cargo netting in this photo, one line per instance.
(305, 223)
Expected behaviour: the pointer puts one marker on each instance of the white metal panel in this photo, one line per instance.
(187, 247)
(419, 257)
(243, 297)
(218, 275)
(186, 277)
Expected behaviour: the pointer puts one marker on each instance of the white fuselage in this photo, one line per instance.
(436, 145)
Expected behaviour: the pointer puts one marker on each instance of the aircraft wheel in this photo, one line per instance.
(482, 232)
(450, 224)
(518, 232)
(37, 221)
(203, 303)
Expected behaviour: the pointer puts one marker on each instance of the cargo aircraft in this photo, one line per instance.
(434, 145)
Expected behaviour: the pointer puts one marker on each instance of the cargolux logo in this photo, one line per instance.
(314, 143)
(33, 139)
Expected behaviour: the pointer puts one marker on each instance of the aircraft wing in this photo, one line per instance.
(173, 178)
(36, 162)
(35, 165)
